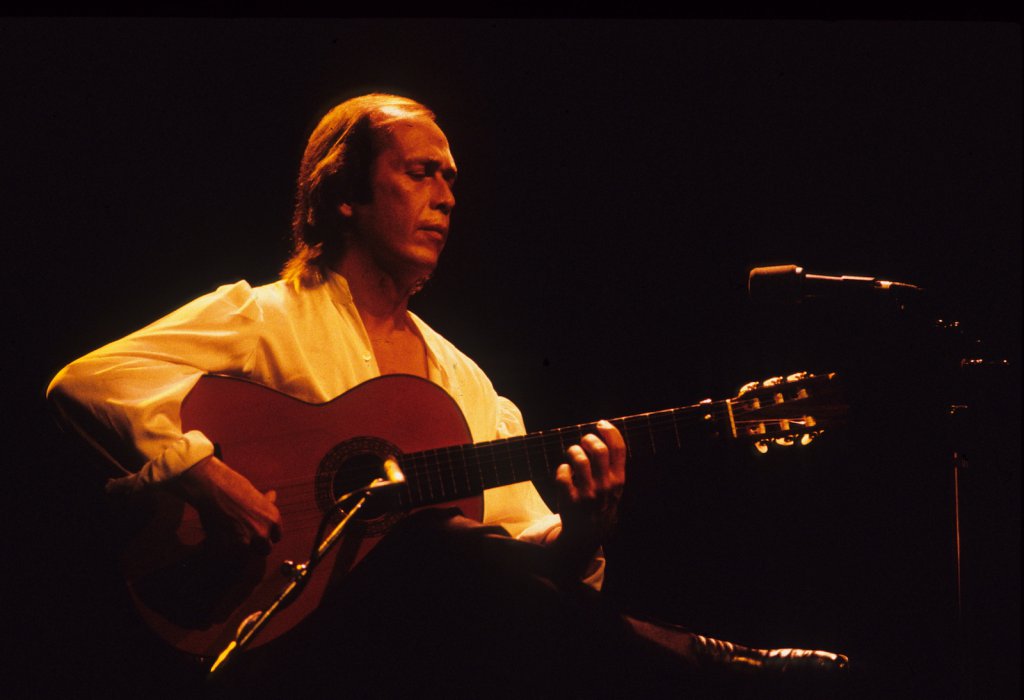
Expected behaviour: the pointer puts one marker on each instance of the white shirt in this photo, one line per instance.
(309, 343)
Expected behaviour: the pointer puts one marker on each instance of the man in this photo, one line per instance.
(373, 208)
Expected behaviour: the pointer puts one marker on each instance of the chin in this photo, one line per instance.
(426, 257)
(419, 266)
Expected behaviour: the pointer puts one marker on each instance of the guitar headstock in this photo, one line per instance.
(786, 411)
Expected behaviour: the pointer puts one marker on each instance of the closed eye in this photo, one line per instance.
(430, 168)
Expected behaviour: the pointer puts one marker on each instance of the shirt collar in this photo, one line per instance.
(339, 290)
(338, 287)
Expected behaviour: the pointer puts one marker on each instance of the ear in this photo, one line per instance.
(346, 209)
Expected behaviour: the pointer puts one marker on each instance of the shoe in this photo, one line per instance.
(726, 656)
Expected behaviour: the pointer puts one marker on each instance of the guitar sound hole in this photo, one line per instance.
(351, 466)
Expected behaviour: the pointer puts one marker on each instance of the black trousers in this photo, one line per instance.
(442, 608)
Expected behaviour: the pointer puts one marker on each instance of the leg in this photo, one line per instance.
(444, 603)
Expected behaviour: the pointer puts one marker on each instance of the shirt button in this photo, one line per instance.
(367, 357)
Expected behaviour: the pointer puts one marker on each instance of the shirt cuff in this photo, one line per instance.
(185, 452)
(542, 530)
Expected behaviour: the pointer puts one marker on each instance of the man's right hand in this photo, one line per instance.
(232, 511)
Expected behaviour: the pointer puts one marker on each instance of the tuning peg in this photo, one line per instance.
(749, 386)
(794, 378)
(762, 445)
(808, 438)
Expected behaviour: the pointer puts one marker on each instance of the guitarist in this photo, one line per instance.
(373, 207)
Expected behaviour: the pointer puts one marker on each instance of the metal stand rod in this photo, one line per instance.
(957, 459)
(962, 646)
(299, 573)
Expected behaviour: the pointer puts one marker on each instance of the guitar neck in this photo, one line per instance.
(460, 471)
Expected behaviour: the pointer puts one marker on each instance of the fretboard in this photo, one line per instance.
(460, 471)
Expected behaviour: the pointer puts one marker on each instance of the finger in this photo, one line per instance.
(275, 531)
(274, 516)
(261, 534)
(563, 475)
(616, 445)
(597, 453)
(582, 478)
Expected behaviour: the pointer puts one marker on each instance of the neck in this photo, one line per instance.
(381, 298)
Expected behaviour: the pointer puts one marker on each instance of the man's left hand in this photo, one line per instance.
(590, 486)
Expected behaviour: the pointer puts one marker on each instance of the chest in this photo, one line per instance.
(401, 352)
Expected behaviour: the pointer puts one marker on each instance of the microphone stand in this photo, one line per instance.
(961, 361)
(298, 574)
(970, 366)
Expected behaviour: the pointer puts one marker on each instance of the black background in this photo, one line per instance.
(618, 179)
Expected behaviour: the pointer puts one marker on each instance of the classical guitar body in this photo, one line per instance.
(195, 595)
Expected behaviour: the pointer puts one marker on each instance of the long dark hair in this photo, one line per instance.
(336, 167)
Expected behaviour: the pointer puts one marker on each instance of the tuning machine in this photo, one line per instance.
(787, 441)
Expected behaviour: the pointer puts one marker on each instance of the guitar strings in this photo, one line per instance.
(442, 465)
(426, 468)
(431, 467)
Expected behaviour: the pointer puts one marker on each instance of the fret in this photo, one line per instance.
(503, 468)
(675, 426)
(477, 453)
(470, 457)
(666, 434)
(493, 466)
(414, 476)
(657, 431)
(441, 468)
(526, 456)
(511, 461)
(437, 475)
(407, 462)
(547, 462)
(561, 456)
(450, 468)
(627, 426)
(464, 468)
(538, 458)
(632, 433)
(650, 433)
(428, 474)
(644, 439)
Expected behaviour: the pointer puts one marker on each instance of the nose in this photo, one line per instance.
(444, 198)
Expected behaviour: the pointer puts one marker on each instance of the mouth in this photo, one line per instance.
(438, 229)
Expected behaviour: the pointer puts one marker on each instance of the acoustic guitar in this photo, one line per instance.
(196, 595)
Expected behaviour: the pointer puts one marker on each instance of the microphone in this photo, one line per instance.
(790, 284)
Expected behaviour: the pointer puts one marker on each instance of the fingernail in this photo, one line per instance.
(604, 424)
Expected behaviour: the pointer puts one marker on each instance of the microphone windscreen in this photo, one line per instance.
(778, 283)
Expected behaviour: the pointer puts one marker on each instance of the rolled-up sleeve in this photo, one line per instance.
(125, 397)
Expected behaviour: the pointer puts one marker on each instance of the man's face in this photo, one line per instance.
(404, 227)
